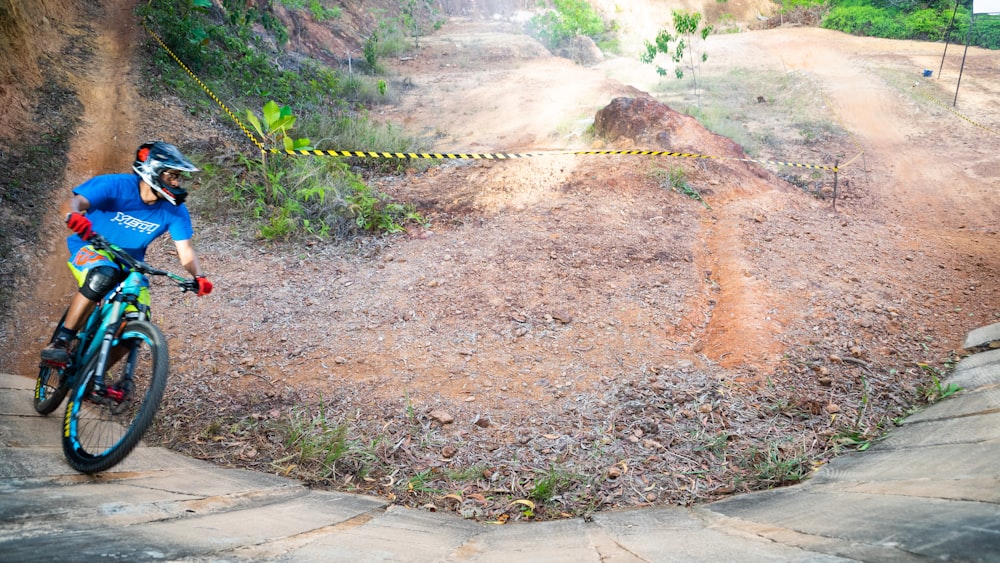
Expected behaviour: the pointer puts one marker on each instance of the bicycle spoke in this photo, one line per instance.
(104, 428)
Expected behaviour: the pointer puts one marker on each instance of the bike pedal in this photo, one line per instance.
(115, 395)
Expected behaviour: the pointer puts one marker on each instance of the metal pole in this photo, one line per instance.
(972, 20)
(947, 38)
(836, 167)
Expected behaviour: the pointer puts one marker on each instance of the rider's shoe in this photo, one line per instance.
(56, 353)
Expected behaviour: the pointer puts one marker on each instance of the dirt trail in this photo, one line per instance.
(107, 137)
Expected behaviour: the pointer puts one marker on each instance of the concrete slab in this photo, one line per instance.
(194, 535)
(46, 461)
(977, 371)
(932, 463)
(926, 527)
(983, 337)
(935, 431)
(17, 402)
(962, 404)
(677, 534)
(43, 432)
(562, 541)
(979, 489)
(399, 534)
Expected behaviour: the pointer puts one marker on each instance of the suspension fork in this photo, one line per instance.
(110, 334)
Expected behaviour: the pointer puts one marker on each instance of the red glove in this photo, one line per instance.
(204, 286)
(80, 225)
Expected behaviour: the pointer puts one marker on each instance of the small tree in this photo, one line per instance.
(273, 130)
(680, 47)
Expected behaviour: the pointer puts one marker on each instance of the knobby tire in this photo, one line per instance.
(50, 386)
(99, 435)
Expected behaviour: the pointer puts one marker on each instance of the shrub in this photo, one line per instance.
(569, 18)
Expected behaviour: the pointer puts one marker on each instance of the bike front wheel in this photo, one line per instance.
(50, 386)
(100, 430)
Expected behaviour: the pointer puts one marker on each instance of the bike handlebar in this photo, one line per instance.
(101, 243)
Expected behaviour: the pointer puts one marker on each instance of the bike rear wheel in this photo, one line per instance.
(99, 432)
(50, 386)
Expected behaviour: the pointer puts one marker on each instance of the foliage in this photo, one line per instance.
(321, 446)
(374, 212)
(551, 483)
(778, 464)
(675, 180)
(304, 196)
(286, 196)
(986, 33)
(688, 26)
(866, 20)
(936, 391)
(912, 19)
(568, 19)
(786, 6)
(415, 17)
(316, 8)
(274, 127)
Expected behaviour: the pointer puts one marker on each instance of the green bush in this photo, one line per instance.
(568, 18)
(986, 33)
(867, 21)
(927, 25)
(280, 196)
(909, 19)
(790, 5)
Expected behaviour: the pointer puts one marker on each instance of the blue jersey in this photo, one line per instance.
(119, 215)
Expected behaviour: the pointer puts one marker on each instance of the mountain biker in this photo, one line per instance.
(130, 211)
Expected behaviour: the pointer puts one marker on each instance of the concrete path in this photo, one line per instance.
(930, 491)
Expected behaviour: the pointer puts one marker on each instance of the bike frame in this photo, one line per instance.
(104, 323)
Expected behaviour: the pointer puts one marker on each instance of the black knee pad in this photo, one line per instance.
(100, 281)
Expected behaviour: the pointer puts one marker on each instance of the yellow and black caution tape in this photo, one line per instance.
(972, 122)
(409, 155)
(260, 145)
(510, 156)
(450, 156)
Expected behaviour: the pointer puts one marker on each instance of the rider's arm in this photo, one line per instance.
(188, 257)
(75, 204)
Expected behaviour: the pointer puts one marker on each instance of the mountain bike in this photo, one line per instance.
(117, 372)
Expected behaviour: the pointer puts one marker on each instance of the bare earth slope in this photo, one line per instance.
(572, 316)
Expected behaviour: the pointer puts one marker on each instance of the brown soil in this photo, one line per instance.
(570, 314)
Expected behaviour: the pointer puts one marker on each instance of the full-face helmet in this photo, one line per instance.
(153, 159)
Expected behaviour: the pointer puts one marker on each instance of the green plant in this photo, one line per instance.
(936, 391)
(716, 445)
(778, 466)
(552, 482)
(568, 19)
(374, 212)
(316, 443)
(681, 48)
(371, 52)
(316, 8)
(469, 473)
(414, 15)
(420, 483)
(675, 180)
(275, 125)
(852, 440)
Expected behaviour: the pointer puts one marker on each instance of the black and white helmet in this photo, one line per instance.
(153, 159)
